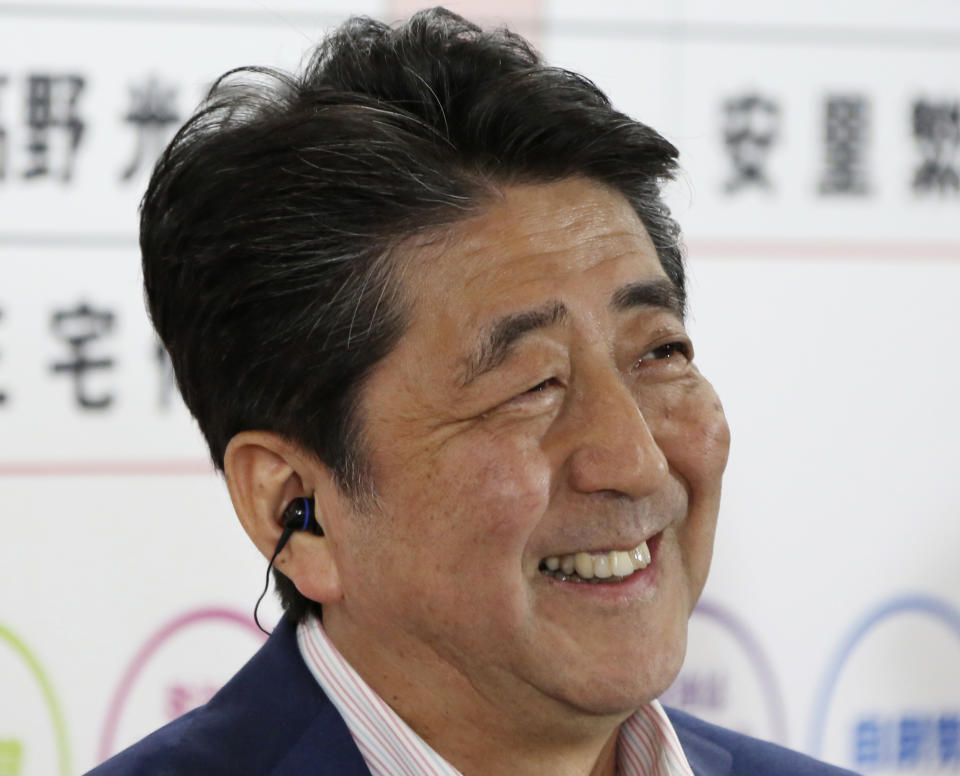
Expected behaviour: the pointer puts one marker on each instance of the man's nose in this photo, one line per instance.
(613, 446)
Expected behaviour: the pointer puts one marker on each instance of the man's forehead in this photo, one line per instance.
(550, 219)
(528, 233)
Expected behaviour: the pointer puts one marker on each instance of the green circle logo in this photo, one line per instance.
(13, 753)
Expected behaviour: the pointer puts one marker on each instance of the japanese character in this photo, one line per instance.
(153, 115)
(751, 127)
(181, 698)
(846, 137)
(52, 104)
(914, 740)
(867, 743)
(78, 328)
(949, 739)
(936, 129)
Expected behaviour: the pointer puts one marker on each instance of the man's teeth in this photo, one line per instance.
(595, 566)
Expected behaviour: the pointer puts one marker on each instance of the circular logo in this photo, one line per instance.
(33, 736)
(178, 668)
(890, 698)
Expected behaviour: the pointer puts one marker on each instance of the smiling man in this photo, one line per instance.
(428, 293)
(547, 466)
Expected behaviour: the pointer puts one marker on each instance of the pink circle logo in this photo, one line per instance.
(178, 668)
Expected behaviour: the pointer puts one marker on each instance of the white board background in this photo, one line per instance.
(829, 325)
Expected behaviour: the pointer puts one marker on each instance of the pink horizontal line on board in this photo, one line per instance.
(758, 248)
(95, 468)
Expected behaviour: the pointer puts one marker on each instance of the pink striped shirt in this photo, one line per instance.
(647, 745)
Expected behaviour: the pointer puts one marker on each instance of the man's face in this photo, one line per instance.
(542, 403)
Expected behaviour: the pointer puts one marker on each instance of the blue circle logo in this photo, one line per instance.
(890, 698)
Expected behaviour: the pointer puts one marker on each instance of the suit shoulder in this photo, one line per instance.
(704, 742)
(165, 752)
(273, 706)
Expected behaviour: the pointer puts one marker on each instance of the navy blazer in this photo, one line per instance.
(272, 719)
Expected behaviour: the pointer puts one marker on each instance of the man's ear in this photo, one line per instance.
(265, 472)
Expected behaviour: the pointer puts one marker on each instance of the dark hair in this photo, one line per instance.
(271, 222)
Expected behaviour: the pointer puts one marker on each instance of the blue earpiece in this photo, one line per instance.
(298, 516)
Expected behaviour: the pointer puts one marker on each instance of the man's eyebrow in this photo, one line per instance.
(651, 293)
(495, 345)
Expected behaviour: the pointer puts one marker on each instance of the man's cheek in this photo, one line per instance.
(500, 482)
(696, 439)
(690, 427)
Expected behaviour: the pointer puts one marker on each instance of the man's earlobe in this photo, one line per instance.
(270, 480)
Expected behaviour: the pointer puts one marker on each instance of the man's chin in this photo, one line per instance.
(615, 693)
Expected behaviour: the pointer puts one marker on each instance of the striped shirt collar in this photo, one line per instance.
(647, 745)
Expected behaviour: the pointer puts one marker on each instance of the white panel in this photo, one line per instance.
(799, 80)
(828, 323)
(927, 18)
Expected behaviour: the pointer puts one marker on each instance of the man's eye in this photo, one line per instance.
(668, 350)
(541, 386)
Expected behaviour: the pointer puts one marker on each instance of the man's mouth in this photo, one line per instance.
(596, 567)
